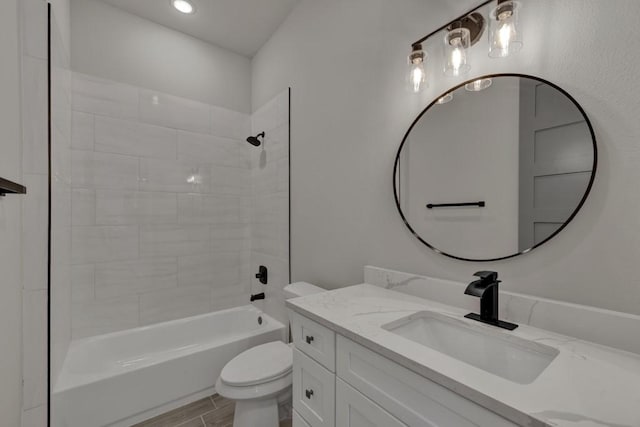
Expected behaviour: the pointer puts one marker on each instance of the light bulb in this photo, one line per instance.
(456, 60)
(455, 46)
(417, 77)
(504, 36)
(183, 6)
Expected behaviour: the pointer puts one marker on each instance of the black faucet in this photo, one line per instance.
(262, 275)
(256, 297)
(487, 289)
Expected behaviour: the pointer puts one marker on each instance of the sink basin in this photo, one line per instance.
(493, 351)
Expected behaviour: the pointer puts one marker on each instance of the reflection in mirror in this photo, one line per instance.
(516, 160)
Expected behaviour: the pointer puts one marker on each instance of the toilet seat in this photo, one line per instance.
(259, 365)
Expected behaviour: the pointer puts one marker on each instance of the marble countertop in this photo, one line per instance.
(586, 385)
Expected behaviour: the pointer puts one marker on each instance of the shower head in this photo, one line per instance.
(255, 140)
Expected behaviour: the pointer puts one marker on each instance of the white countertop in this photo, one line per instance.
(586, 385)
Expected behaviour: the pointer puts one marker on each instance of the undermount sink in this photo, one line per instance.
(496, 352)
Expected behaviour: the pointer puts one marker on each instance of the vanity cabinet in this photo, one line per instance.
(337, 382)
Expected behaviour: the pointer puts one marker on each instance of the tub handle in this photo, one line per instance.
(308, 393)
(309, 339)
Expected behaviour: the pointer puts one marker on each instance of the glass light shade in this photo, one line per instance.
(445, 98)
(456, 43)
(505, 36)
(478, 85)
(417, 76)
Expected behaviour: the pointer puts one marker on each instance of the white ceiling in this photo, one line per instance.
(241, 26)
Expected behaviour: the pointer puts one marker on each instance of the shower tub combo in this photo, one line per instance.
(125, 377)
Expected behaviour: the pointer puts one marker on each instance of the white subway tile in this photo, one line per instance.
(100, 170)
(220, 270)
(174, 176)
(174, 240)
(210, 149)
(35, 232)
(127, 207)
(104, 316)
(34, 346)
(134, 139)
(136, 276)
(35, 133)
(104, 243)
(35, 417)
(211, 209)
(174, 112)
(104, 97)
(34, 28)
(82, 282)
(82, 131)
(174, 304)
(229, 123)
(83, 207)
(230, 237)
(232, 181)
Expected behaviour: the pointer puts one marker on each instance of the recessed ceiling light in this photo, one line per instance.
(183, 6)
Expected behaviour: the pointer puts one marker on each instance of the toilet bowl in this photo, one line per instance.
(259, 379)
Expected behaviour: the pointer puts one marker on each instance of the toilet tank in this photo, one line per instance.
(300, 289)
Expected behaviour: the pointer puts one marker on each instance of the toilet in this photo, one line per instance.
(259, 379)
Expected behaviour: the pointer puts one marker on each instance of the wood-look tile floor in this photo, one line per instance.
(214, 411)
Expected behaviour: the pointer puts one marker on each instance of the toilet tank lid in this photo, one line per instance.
(301, 289)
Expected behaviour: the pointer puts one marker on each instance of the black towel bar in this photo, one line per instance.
(480, 204)
(10, 187)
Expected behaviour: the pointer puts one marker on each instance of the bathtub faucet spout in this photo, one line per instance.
(257, 296)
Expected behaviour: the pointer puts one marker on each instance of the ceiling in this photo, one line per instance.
(241, 26)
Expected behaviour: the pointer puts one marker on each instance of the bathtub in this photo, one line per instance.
(125, 377)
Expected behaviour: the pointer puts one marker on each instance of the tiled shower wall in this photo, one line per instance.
(161, 207)
(270, 202)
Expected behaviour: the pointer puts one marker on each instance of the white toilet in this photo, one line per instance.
(259, 379)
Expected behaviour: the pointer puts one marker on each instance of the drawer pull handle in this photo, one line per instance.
(308, 393)
(309, 339)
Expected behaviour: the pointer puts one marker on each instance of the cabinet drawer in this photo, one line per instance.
(353, 409)
(313, 391)
(314, 340)
(411, 398)
(298, 421)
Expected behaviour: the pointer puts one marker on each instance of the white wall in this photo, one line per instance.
(346, 62)
(10, 218)
(110, 43)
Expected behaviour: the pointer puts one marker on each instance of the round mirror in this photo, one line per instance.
(495, 167)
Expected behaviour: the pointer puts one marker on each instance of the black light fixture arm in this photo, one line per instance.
(422, 40)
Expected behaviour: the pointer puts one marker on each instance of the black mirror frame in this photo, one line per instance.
(562, 227)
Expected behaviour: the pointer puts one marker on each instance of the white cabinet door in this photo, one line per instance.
(298, 421)
(353, 409)
(314, 391)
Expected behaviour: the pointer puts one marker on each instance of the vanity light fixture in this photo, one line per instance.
(184, 6)
(504, 35)
(505, 38)
(445, 98)
(417, 77)
(478, 85)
